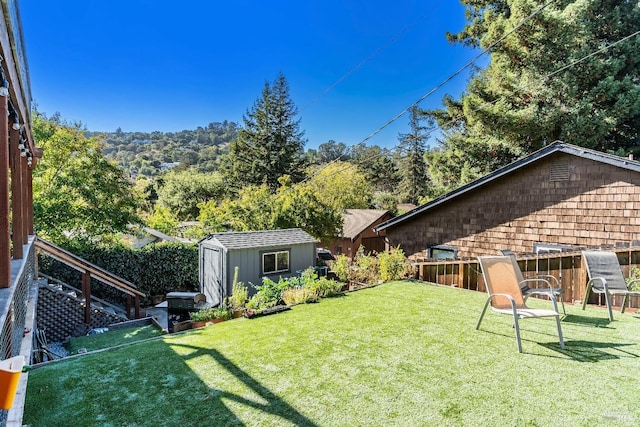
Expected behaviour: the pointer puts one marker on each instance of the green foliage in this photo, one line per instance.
(256, 208)
(378, 166)
(299, 296)
(392, 264)
(365, 268)
(182, 191)
(270, 144)
(154, 269)
(341, 267)
(510, 109)
(239, 293)
(340, 185)
(631, 280)
(162, 220)
(77, 192)
(143, 153)
(412, 167)
(208, 314)
(324, 287)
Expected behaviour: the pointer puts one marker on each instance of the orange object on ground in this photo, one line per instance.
(10, 370)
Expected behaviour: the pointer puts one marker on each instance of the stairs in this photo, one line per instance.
(61, 311)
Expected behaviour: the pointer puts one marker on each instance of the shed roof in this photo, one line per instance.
(355, 221)
(260, 239)
(558, 146)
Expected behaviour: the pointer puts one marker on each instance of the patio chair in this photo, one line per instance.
(505, 296)
(549, 282)
(605, 277)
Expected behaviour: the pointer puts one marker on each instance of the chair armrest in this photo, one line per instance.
(547, 285)
(602, 281)
(550, 278)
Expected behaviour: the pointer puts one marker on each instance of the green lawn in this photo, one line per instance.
(113, 338)
(401, 354)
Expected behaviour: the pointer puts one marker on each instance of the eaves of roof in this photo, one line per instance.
(555, 147)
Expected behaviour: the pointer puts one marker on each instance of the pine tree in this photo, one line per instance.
(271, 144)
(413, 169)
(524, 99)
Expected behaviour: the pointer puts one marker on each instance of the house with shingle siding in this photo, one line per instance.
(560, 196)
(357, 230)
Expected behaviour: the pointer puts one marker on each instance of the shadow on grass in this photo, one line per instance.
(590, 351)
(596, 322)
(275, 405)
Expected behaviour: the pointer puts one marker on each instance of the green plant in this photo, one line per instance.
(633, 276)
(299, 296)
(366, 267)
(392, 264)
(204, 315)
(239, 293)
(324, 287)
(341, 267)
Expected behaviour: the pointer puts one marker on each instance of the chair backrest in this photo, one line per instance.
(501, 277)
(510, 254)
(604, 264)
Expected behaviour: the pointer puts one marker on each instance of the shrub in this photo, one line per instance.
(392, 264)
(239, 293)
(299, 296)
(324, 287)
(341, 267)
(366, 267)
(634, 275)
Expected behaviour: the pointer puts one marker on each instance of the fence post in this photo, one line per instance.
(86, 293)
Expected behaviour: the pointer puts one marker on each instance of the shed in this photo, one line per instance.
(257, 254)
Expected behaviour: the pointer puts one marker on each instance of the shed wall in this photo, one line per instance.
(597, 204)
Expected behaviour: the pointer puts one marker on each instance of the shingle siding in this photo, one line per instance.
(597, 205)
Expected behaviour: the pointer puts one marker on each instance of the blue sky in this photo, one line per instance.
(168, 66)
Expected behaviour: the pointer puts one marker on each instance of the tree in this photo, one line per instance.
(524, 98)
(271, 144)
(413, 169)
(377, 165)
(331, 150)
(340, 185)
(77, 192)
(182, 191)
(256, 208)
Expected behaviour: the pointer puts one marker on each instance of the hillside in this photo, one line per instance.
(150, 153)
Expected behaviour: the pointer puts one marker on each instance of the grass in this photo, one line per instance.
(402, 353)
(113, 338)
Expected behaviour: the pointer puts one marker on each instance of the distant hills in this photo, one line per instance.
(141, 153)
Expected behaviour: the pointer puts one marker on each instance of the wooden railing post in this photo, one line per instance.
(5, 230)
(17, 204)
(137, 306)
(86, 293)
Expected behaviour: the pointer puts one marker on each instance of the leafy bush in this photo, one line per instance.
(341, 267)
(392, 264)
(154, 269)
(324, 287)
(634, 275)
(365, 269)
(299, 296)
(239, 293)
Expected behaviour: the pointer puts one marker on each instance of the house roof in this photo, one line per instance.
(260, 239)
(556, 147)
(356, 221)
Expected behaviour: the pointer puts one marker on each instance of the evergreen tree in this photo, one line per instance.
(413, 169)
(524, 99)
(271, 144)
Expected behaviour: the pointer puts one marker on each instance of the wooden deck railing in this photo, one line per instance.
(566, 266)
(89, 271)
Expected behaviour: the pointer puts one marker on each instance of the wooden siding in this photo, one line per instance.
(597, 205)
(567, 267)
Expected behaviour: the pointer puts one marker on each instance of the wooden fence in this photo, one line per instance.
(567, 267)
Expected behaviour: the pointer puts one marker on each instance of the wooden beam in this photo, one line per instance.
(5, 231)
(86, 293)
(17, 204)
(27, 179)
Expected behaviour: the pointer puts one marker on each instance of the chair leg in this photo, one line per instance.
(624, 303)
(586, 295)
(486, 304)
(517, 326)
(560, 332)
(607, 299)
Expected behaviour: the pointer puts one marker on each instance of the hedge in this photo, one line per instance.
(155, 269)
